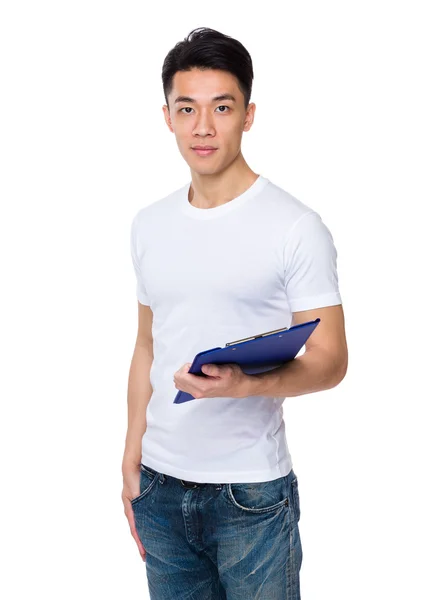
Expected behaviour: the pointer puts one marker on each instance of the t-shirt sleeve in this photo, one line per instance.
(310, 265)
(140, 286)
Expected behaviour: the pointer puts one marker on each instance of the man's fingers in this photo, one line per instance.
(132, 523)
(139, 543)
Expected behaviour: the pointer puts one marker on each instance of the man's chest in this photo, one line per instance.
(206, 268)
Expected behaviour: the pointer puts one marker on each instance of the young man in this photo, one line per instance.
(209, 492)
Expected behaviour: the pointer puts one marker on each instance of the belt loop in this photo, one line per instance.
(189, 484)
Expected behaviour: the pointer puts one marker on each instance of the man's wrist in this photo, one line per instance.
(249, 386)
(130, 462)
(260, 384)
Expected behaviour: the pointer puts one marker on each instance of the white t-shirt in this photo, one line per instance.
(212, 276)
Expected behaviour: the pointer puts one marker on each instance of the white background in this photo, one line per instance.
(340, 125)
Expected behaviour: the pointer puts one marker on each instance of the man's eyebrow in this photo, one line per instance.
(215, 99)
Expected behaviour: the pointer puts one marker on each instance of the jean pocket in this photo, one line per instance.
(147, 482)
(259, 497)
(148, 470)
(296, 498)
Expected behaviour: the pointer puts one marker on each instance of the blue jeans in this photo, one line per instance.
(211, 541)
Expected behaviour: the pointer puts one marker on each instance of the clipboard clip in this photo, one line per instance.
(254, 337)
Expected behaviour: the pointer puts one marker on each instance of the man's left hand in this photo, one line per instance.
(222, 380)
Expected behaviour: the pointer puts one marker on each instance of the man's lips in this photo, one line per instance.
(204, 151)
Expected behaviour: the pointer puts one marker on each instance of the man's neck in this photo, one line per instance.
(207, 192)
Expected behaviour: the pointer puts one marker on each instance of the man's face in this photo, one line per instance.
(205, 121)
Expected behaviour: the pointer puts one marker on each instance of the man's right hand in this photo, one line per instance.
(131, 489)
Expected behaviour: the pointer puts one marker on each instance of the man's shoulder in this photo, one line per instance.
(157, 208)
(284, 205)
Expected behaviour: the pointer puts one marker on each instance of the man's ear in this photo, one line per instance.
(249, 118)
(167, 118)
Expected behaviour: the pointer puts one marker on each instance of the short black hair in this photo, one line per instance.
(206, 48)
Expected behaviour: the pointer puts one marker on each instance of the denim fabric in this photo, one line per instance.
(229, 541)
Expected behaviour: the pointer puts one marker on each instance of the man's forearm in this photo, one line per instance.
(311, 372)
(138, 396)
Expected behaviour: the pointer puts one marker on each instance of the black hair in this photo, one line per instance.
(206, 48)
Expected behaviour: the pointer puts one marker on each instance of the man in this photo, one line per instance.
(209, 492)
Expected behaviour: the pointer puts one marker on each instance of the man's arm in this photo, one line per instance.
(139, 387)
(322, 366)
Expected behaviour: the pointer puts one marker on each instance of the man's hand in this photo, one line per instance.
(131, 489)
(222, 380)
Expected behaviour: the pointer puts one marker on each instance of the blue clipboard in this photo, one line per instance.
(256, 354)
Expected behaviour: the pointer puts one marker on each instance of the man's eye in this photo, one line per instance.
(190, 108)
